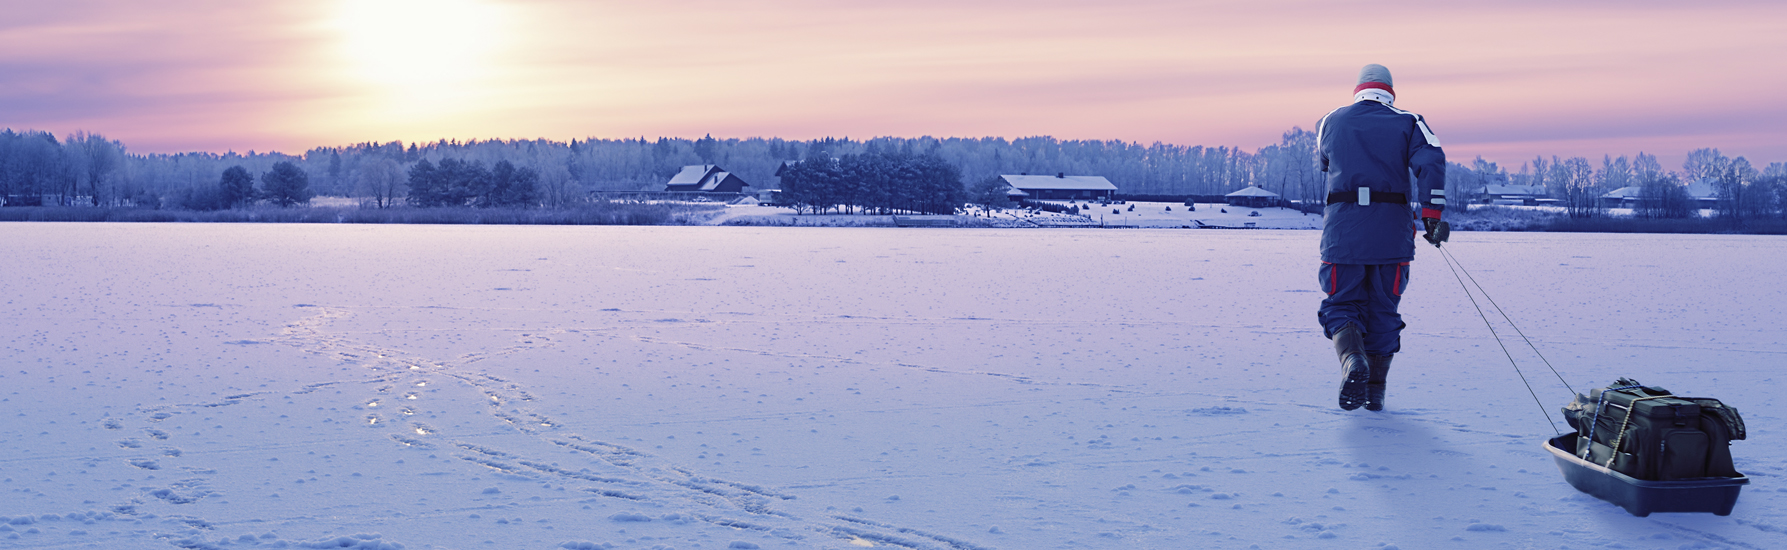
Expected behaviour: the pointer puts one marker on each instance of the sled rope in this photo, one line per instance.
(1452, 263)
(1498, 309)
(1601, 405)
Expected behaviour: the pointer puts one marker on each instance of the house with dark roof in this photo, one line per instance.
(706, 178)
(1060, 186)
(786, 165)
(1529, 195)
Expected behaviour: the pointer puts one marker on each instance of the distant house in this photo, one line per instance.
(1253, 197)
(1703, 194)
(1624, 197)
(782, 170)
(771, 197)
(21, 200)
(1529, 195)
(1060, 186)
(706, 178)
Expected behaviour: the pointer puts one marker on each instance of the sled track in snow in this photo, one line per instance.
(391, 400)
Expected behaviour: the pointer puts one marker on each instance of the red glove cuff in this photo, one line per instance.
(1430, 213)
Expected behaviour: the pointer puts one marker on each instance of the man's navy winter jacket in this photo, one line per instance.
(1372, 145)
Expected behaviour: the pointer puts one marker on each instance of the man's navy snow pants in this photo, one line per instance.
(1367, 295)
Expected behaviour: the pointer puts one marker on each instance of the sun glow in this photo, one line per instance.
(420, 57)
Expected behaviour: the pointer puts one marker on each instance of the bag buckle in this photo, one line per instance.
(1364, 196)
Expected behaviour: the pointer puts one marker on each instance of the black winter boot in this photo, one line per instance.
(1349, 344)
(1374, 388)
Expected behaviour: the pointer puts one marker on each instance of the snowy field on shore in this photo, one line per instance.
(1159, 215)
(339, 386)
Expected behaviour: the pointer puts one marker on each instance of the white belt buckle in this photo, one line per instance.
(1364, 196)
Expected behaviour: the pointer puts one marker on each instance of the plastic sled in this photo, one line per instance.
(1640, 497)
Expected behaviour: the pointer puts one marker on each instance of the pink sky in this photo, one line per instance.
(1504, 80)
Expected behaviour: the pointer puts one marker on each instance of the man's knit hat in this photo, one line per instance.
(1374, 76)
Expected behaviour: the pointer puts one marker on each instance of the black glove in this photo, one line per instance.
(1437, 231)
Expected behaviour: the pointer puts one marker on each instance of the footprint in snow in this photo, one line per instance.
(1219, 411)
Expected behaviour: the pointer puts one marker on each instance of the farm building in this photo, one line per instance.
(1253, 197)
(706, 178)
(1529, 195)
(1060, 186)
(1703, 194)
(1624, 197)
(783, 168)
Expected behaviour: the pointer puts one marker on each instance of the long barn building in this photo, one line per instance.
(1061, 186)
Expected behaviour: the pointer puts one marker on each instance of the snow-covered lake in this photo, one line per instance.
(329, 386)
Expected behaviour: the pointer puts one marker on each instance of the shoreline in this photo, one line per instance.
(1479, 219)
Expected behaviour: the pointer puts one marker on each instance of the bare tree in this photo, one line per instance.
(93, 159)
(1661, 194)
(1577, 178)
(1646, 167)
(557, 188)
(1487, 174)
(1774, 178)
(382, 179)
(1615, 173)
(1733, 177)
(1702, 164)
(1542, 175)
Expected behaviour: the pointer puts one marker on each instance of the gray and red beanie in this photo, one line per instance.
(1374, 76)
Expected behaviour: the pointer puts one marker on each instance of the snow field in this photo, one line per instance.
(244, 386)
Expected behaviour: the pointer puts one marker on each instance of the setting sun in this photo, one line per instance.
(417, 56)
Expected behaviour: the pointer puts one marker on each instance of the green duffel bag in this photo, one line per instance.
(1650, 434)
(1722, 425)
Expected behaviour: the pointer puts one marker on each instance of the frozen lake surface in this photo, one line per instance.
(330, 386)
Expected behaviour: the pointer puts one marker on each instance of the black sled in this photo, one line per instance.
(1648, 450)
(1717, 495)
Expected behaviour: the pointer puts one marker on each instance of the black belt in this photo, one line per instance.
(1353, 196)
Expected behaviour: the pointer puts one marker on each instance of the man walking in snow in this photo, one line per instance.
(1369, 150)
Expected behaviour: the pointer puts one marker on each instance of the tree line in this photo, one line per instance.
(83, 168)
(53, 171)
(1740, 189)
(457, 182)
(879, 182)
(285, 186)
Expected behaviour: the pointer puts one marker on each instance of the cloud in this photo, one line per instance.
(188, 74)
